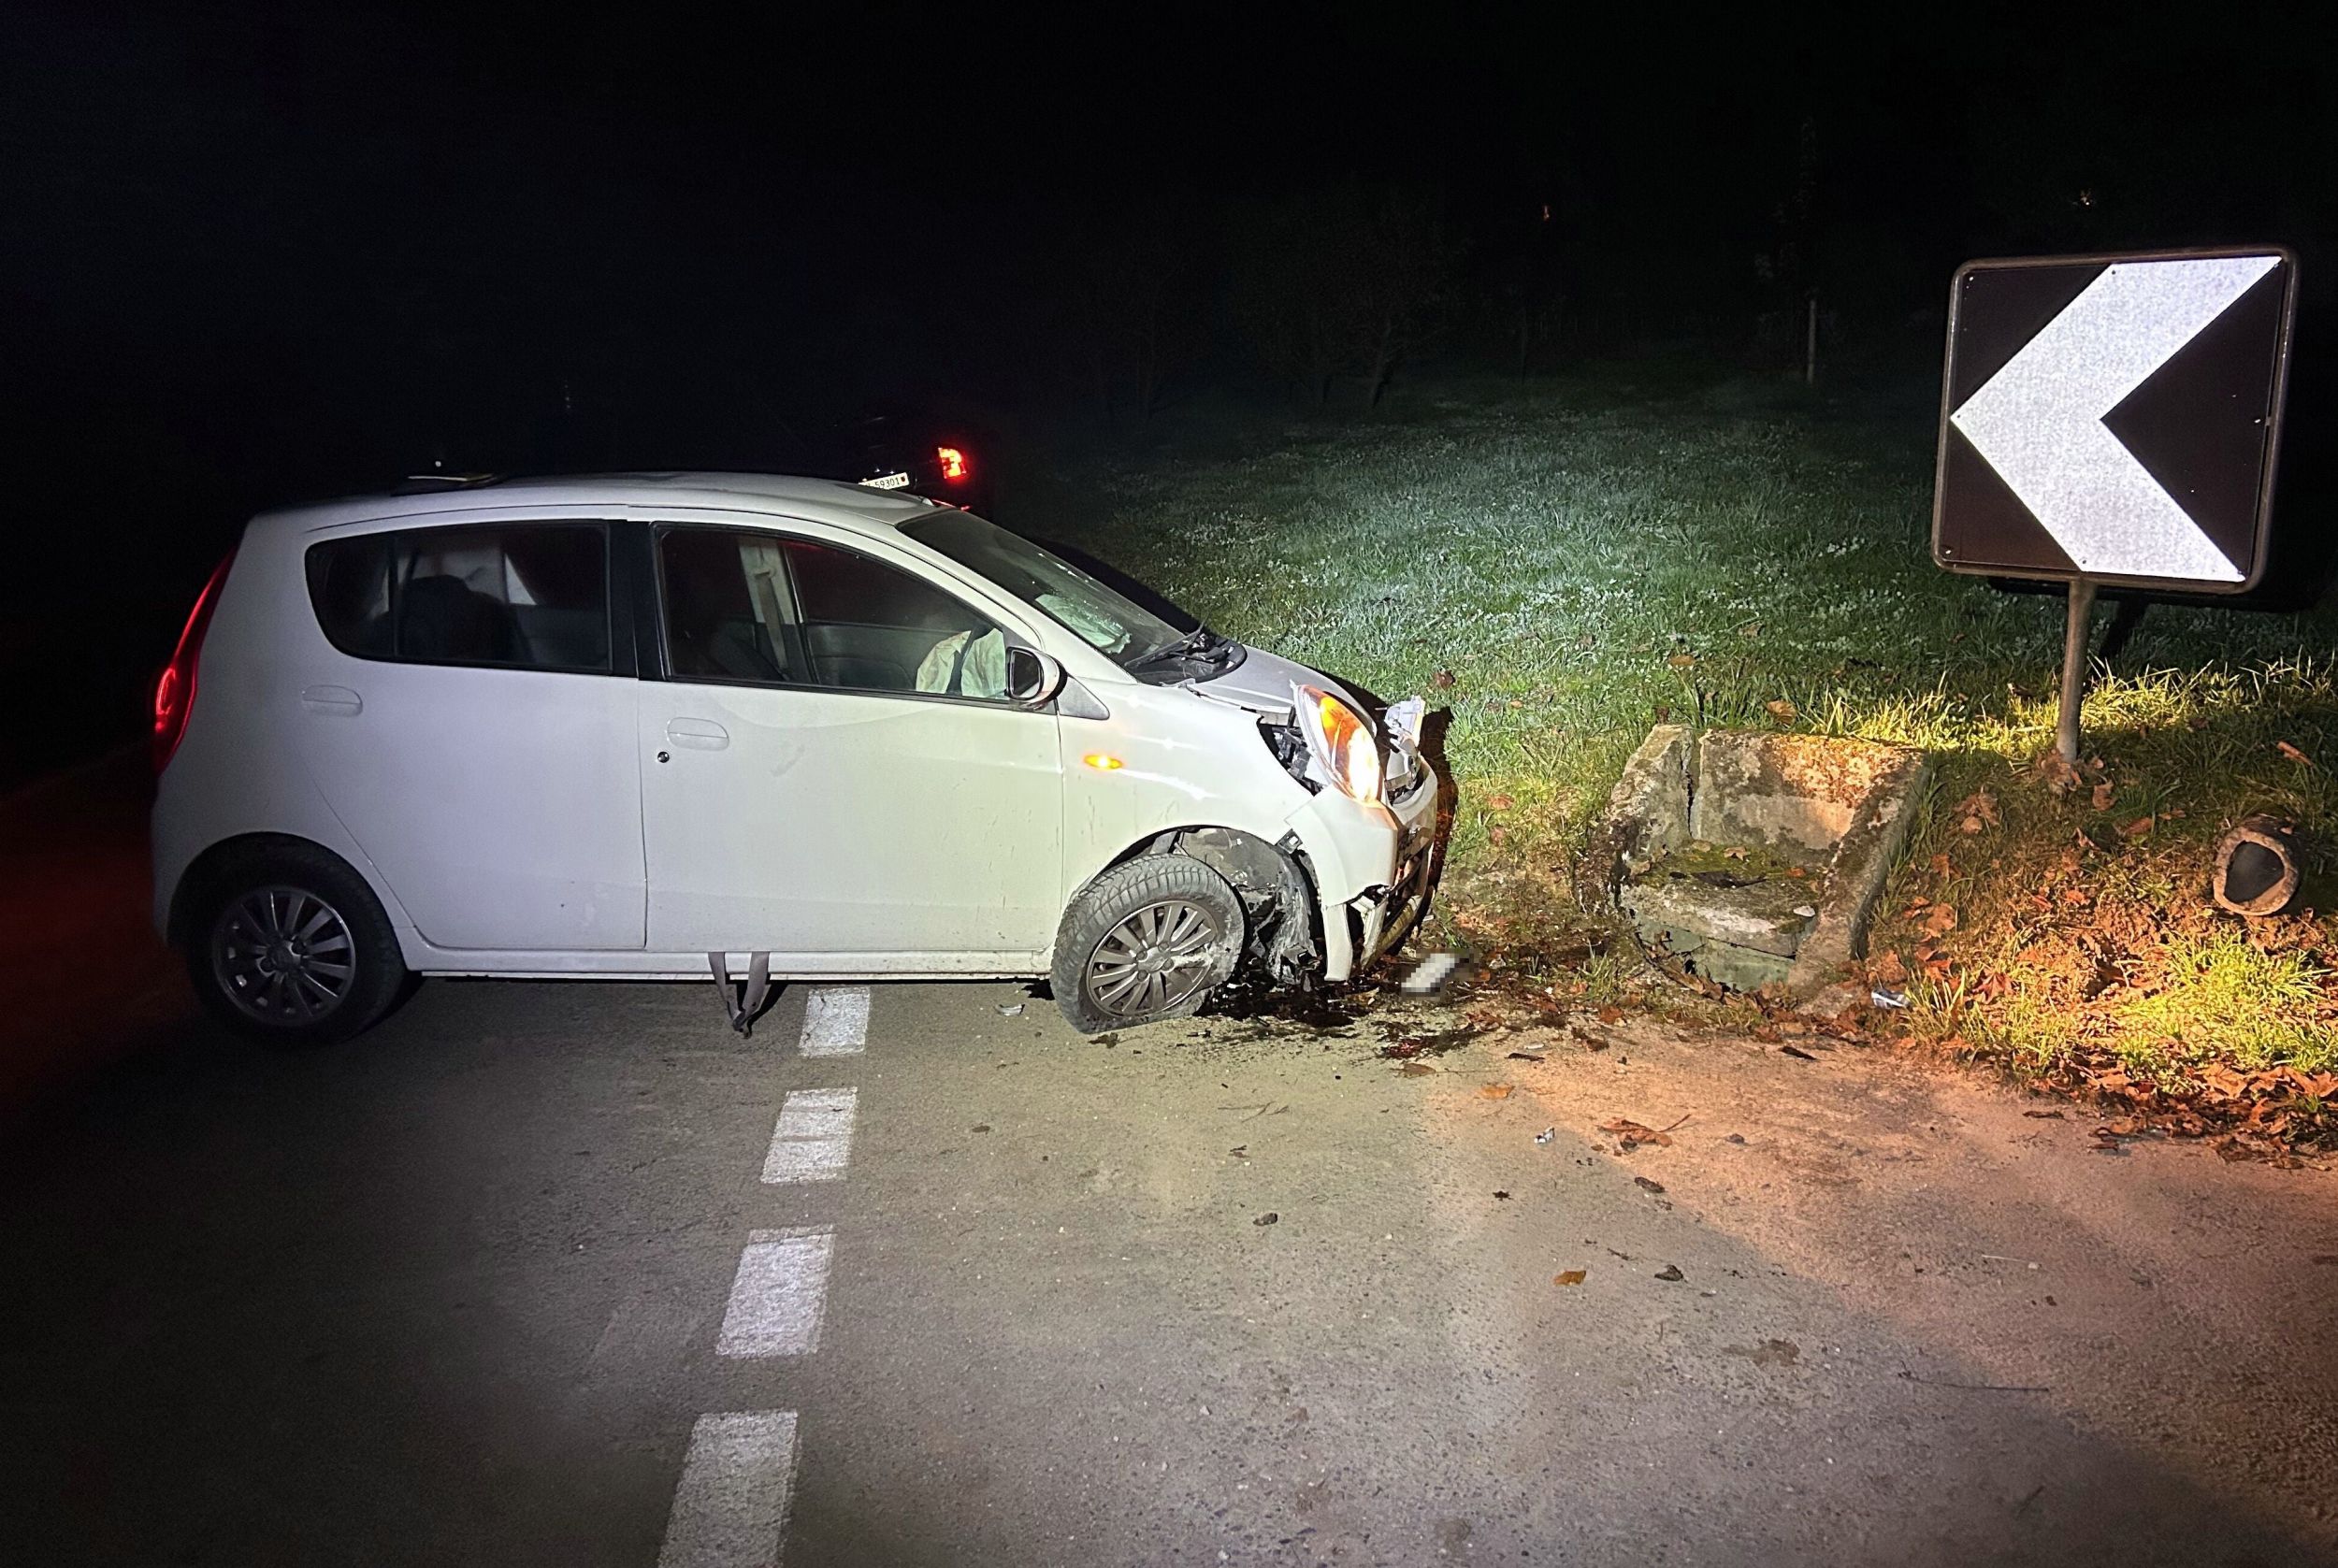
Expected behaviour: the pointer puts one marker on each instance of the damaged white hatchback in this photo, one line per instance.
(652, 725)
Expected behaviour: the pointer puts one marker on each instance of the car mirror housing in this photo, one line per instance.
(1033, 678)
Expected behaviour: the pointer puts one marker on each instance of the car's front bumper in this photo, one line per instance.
(1372, 863)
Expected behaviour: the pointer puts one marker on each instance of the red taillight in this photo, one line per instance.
(953, 463)
(174, 692)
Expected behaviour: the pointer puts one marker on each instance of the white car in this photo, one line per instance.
(643, 725)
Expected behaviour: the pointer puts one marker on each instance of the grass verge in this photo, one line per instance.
(1563, 563)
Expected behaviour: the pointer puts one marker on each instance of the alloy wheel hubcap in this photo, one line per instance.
(1156, 958)
(283, 956)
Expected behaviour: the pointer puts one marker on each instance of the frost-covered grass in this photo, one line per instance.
(1586, 557)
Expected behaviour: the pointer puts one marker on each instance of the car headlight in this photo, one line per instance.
(1343, 744)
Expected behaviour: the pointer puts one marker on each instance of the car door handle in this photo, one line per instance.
(701, 734)
(332, 699)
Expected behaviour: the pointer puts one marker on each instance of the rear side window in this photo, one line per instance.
(531, 595)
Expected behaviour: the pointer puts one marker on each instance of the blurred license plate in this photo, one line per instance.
(888, 481)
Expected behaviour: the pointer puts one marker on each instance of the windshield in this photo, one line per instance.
(1123, 632)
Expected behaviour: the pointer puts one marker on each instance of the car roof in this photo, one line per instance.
(819, 500)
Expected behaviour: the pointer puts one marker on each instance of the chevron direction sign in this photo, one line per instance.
(2114, 419)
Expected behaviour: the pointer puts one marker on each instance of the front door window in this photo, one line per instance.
(768, 609)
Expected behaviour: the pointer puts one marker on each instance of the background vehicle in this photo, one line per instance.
(641, 725)
(900, 447)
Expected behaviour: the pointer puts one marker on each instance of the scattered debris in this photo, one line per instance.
(1546, 1135)
(1010, 1010)
(2292, 752)
(1645, 1184)
(1240, 1151)
(1770, 1352)
(1269, 1218)
(980, 1126)
(1980, 1387)
(1435, 1044)
(1571, 1276)
(1415, 1069)
(2045, 1115)
(1430, 974)
(1797, 1052)
(2257, 867)
(1882, 998)
(1494, 1091)
(1671, 1272)
(1501, 1195)
(1524, 1056)
(1735, 1138)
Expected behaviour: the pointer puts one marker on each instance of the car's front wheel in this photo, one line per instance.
(1148, 939)
(291, 948)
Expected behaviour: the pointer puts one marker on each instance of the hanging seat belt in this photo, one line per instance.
(742, 1005)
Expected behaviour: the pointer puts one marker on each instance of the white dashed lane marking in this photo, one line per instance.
(836, 1021)
(813, 1138)
(731, 1506)
(779, 1294)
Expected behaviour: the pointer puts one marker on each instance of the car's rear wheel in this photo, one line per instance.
(291, 948)
(1148, 939)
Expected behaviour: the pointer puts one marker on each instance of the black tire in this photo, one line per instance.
(1183, 931)
(266, 936)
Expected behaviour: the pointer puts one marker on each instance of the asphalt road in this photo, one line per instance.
(503, 1282)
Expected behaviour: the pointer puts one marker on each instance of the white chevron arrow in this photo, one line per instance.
(2038, 422)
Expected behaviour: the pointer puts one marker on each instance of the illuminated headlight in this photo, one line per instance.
(1342, 741)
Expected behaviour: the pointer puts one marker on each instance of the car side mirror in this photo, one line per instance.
(1033, 678)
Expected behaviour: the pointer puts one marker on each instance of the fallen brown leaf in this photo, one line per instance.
(1499, 803)
(2057, 776)
(1611, 1014)
(1783, 711)
(1571, 1276)
(1681, 661)
(2103, 793)
(1630, 1134)
(1980, 806)
(2136, 828)
(1442, 680)
(1494, 1091)
(2292, 752)
(1416, 1069)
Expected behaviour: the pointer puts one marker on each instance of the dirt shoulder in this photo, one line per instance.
(2156, 1295)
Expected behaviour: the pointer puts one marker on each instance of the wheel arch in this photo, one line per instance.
(1273, 881)
(203, 873)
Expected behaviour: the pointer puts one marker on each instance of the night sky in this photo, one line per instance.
(259, 251)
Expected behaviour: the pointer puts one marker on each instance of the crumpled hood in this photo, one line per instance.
(1262, 682)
